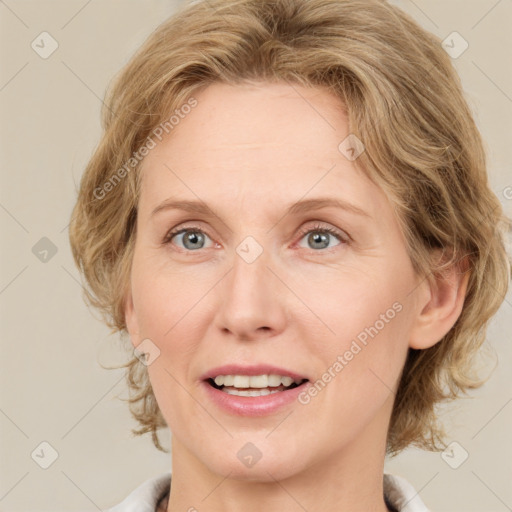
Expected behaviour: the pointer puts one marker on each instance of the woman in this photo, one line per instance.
(289, 215)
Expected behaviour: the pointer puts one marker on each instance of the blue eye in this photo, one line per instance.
(321, 236)
(194, 238)
(191, 239)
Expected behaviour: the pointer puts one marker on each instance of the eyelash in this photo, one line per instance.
(342, 237)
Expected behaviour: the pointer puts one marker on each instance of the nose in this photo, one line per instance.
(252, 301)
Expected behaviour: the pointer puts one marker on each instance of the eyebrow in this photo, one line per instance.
(302, 206)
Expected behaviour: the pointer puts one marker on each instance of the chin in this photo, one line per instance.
(263, 472)
(257, 462)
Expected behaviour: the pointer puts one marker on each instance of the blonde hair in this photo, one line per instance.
(403, 100)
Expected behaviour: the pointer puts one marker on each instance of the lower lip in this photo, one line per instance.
(253, 405)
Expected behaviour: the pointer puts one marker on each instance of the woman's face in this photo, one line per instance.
(251, 283)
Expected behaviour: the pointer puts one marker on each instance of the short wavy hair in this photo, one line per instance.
(404, 101)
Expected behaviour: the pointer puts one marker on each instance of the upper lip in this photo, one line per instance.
(257, 369)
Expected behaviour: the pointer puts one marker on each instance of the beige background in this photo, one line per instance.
(53, 387)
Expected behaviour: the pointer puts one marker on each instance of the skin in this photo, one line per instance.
(248, 151)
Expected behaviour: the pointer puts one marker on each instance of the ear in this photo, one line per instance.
(440, 304)
(131, 320)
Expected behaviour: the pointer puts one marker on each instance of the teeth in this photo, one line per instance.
(229, 380)
(273, 380)
(286, 381)
(255, 381)
(252, 392)
(241, 381)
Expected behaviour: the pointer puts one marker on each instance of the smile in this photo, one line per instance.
(254, 385)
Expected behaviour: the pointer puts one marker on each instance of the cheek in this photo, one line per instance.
(166, 300)
(362, 305)
(357, 375)
(166, 306)
(370, 316)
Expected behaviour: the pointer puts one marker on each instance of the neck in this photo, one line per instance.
(349, 479)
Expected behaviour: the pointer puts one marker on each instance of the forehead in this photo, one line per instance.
(255, 116)
(261, 142)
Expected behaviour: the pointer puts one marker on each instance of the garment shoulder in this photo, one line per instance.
(146, 496)
(402, 495)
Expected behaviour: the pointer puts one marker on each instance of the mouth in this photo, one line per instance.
(254, 385)
(253, 390)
